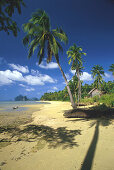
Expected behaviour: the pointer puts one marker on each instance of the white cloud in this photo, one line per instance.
(4, 80)
(34, 72)
(68, 76)
(33, 80)
(55, 88)
(38, 80)
(107, 75)
(8, 77)
(86, 76)
(22, 85)
(73, 71)
(50, 91)
(46, 78)
(50, 65)
(23, 69)
(30, 89)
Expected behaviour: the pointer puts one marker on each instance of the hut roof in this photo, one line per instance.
(93, 90)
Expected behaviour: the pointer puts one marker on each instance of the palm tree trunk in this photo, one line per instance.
(75, 96)
(79, 90)
(68, 88)
(75, 91)
(78, 87)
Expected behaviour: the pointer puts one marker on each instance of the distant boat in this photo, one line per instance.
(15, 107)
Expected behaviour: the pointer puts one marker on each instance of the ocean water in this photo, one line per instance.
(8, 106)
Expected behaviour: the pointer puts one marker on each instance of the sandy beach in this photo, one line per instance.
(52, 142)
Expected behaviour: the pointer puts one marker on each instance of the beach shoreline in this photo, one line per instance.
(53, 141)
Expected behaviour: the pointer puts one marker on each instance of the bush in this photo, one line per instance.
(87, 101)
(96, 98)
(107, 99)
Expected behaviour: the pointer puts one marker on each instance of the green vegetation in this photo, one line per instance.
(75, 54)
(40, 36)
(112, 69)
(107, 98)
(7, 9)
(97, 71)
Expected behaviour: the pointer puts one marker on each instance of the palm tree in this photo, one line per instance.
(75, 53)
(41, 37)
(7, 9)
(97, 72)
(112, 69)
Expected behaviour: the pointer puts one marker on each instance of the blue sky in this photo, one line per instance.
(89, 24)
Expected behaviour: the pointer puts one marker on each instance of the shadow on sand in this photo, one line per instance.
(98, 111)
(53, 137)
(87, 163)
(88, 160)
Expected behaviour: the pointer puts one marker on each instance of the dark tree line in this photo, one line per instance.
(106, 87)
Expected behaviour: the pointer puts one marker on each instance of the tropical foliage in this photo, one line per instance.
(106, 99)
(7, 9)
(75, 54)
(106, 87)
(40, 36)
(112, 69)
(97, 72)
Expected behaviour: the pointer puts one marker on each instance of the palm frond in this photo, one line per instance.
(26, 39)
(60, 35)
(32, 46)
(60, 47)
(40, 55)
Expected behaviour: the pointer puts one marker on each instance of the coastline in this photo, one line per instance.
(53, 141)
(16, 117)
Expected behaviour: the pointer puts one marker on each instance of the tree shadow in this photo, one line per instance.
(87, 163)
(100, 115)
(98, 111)
(77, 119)
(53, 137)
(102, 121)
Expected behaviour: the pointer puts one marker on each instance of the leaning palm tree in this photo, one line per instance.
(97, 72)
(41, 37)
(112, 69)
(75, 54)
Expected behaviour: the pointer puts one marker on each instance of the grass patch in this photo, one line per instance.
(107, 99)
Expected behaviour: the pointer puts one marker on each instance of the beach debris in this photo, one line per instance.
(16, 107)
(2, 163)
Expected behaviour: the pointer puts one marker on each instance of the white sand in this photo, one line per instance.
(80, 144)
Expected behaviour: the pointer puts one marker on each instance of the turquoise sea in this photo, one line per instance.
(8, 105)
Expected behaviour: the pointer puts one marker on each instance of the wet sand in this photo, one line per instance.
(53, 142)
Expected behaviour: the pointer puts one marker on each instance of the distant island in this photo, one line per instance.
(24, 98)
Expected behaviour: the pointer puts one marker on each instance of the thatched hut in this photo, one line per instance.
(94, 92)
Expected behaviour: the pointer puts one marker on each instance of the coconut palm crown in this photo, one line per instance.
(112, 69)
(75, 54)
(97, 72)
(41, 37)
